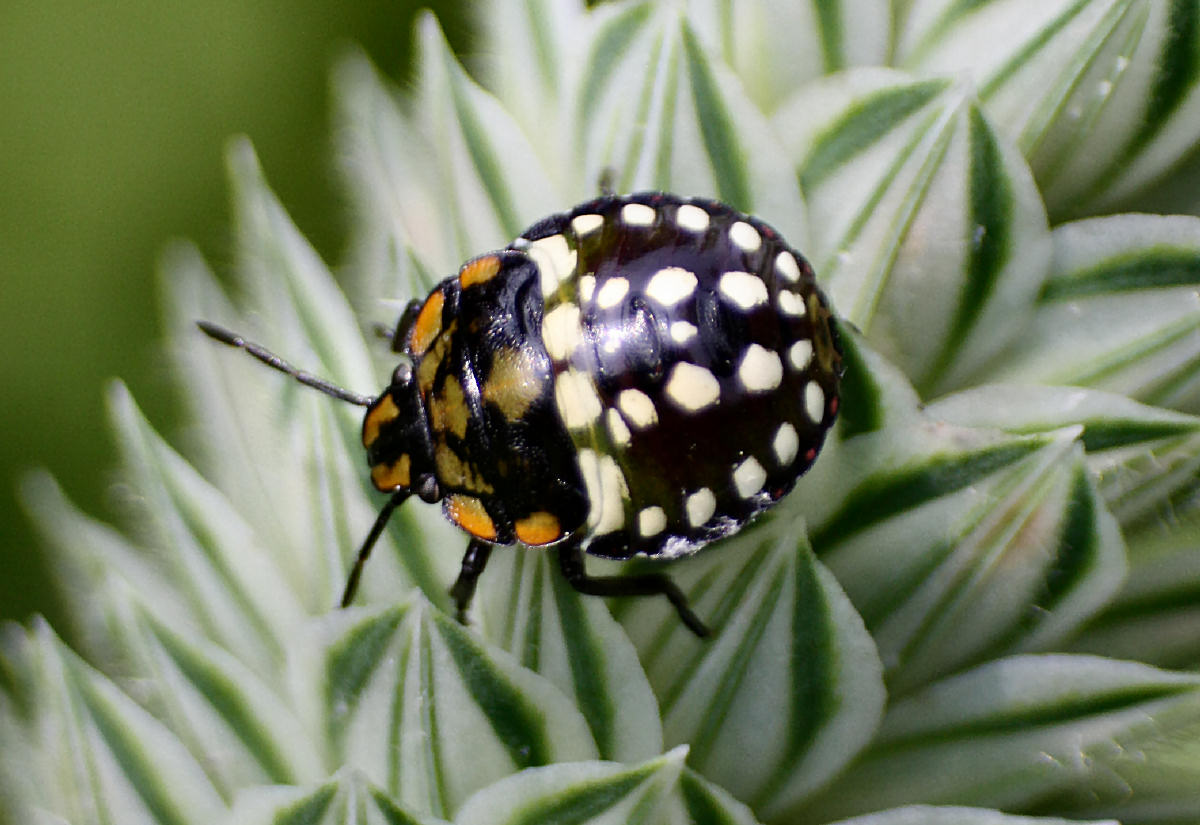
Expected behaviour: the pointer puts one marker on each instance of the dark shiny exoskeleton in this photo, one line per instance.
(640, 375)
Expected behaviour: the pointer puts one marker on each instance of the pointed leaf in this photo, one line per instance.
(1144, 458)
(339, 518)
(992, 543)
(775, 45)
(424, 709)
(1101, 96)
(96, 567)
(399, 247)
(438, 182)
(948, 815)
(704, 802)
(597, 793)
(225, 396)
(227, 716)
(346, 799)
(535, 59)
(525, 606)
(791, 673)
(302, 315)
(697, 133)
(923, 218)
(234, 589)
(604, 793)
(490, 181)
(299, 306)
(1119, 312)
(1155, 618)
(307, 458)
(97, 756)
(1072, 733)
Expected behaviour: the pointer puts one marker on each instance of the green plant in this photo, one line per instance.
(984, 594)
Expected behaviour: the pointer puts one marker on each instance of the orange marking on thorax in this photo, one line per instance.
(388, 477)
(479, 271)
(428, 324)
(384, 411)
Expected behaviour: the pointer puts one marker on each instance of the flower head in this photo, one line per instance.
(967, 611)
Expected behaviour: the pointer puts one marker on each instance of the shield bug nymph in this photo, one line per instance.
(641, 375)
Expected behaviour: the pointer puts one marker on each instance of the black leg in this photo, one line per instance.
(368, 544)
(570, 559)
(473, 562)
(383, 332)
(607, 183)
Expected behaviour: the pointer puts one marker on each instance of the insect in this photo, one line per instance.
(641, 375)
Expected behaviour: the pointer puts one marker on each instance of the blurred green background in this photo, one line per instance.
(113, 123)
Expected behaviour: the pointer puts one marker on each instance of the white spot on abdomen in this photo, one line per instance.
(555, 261)
(561, 331)
(743, 289)
(745, 236)
(585, 224)
(682, 331)
(606, 490)
(692, 218)
(617, 430)
(800, 354)
(786, 266)
(638, 214)
(638, 408)
(786, 444)
(760, 369)
(749, 477)
(611, 293)
(790, 303)
(651, 521)
(814, 401)
(576, 399)
(691, 387)
(587, 286)
(700, 506)
(671, 285)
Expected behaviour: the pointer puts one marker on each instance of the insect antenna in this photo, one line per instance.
(275, 362)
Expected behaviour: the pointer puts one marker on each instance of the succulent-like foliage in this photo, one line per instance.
(981, 605)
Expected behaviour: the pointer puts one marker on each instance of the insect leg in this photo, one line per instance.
(607, 181)
(570, 560)
(408, 317)
(473, 563)
(369, 543)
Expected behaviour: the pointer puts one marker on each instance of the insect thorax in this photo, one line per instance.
(500, 455)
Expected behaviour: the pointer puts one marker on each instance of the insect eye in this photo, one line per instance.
(402, 374)
(428, 489)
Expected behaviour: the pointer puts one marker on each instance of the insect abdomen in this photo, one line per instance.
(695, 365)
